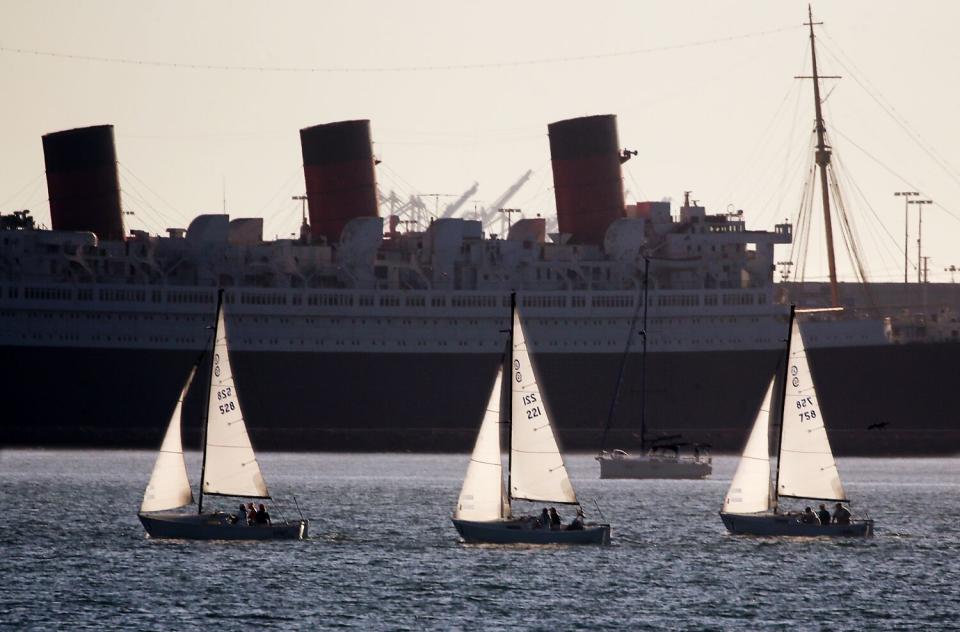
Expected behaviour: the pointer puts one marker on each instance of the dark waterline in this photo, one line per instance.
(383, 553)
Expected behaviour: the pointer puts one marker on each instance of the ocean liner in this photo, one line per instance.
(362, 336)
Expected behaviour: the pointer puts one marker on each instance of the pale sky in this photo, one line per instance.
(461, 92)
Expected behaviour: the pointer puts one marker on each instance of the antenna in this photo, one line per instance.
(785, 269)
(304, 227)
(507, 212)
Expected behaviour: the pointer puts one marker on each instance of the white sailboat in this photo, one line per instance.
(805, 468)
(229, 466)
(535, 470)
(665, 458)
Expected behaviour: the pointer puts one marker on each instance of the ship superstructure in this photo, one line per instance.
(361, 337)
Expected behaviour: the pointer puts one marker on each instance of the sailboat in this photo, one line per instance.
(805, 468)
(662, 458)
(535, 470)
(229, 466)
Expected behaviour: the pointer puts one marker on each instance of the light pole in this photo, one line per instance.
(920, 204)
(952, 269)
(906, 226)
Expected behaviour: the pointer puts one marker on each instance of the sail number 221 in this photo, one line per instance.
(528, 400)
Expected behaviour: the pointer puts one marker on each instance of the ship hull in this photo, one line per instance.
(366, 401)
(522, 532)
(180, 526)
(790, 525)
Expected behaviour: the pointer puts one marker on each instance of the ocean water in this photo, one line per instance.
(383, 554)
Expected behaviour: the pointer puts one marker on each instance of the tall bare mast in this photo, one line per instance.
(823, 160)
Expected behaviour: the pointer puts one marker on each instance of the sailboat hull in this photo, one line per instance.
(217, 526)
(767, 524)
(651, 466)
(523, 532)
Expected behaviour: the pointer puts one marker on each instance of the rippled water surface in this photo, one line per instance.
(383, 553)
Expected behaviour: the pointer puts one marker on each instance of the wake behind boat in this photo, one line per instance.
(535, 472)
(229, 467)
(806, 468)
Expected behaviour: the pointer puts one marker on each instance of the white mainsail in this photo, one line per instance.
(807, 467)
(536, 467)
(750, 488)
(169, 486)
(230, 468)
(482, 496)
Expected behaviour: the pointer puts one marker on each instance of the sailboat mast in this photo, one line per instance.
(783, 404)
(206, 400)
(508, 387)
(643, 356)
(823, 160)
(623, 367)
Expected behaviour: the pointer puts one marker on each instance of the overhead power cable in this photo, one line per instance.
(384, 69)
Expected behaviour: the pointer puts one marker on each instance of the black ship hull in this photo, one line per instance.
(895, 399)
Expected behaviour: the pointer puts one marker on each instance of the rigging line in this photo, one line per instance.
(34, 196)
(850, 236)
(131, 199)
(899, 120)
(807, 218)
(793, 130)
(173, 208)
(761, 144)
(902, 119)
(765, 136)
(131, 192)
(636, 185)
(793, 164)
(30, 183)
(283, 187)
(891, 171)
(847, 231)
(843, 172)
(385, 69)
(801, 213)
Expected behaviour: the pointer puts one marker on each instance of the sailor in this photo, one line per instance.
(262, 517)
(544, 521)
(808, 517)
(240, 519)
(841, 515)
(251, 514)
(824, 515)
(577, 523)
(555, 521)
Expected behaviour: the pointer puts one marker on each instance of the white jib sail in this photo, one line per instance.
(169, 486)
(750, 488)
(536, 467)
(482, 494)
(231, 468)
(807, 466)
